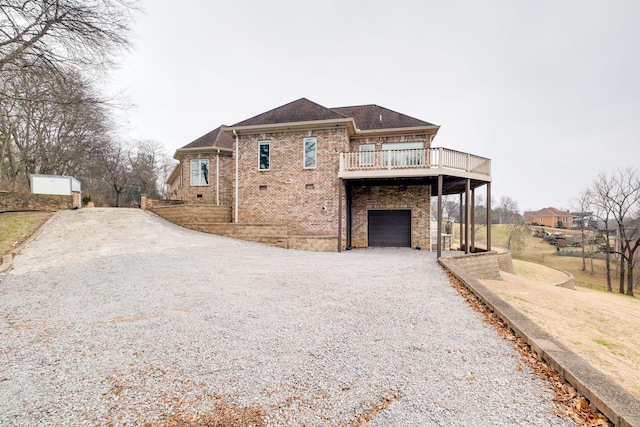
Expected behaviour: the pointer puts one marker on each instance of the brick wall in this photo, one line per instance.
(479, 266)
(305, 199)
(505, 262)
(217, 220)
(181, 188)
(27, 201)
(185, 215)
(414, 197)
(76, 199)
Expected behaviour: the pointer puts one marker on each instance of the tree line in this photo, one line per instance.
(614, 200)
(53, 118)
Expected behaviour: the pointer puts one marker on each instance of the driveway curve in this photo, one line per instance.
(117, 317)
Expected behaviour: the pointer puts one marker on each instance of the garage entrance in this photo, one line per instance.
(389, 228)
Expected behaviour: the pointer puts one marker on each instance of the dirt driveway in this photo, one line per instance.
(116, 317)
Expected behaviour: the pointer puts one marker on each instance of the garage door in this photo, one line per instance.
(390, 228)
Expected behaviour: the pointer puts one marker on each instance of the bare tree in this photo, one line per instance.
(52, 119)
(626, 212)
(46, 137)
(601, 193)
(118, 168)
(518, 230)
(83, 33)
(507, 210)
(147, 162)
(582, 203)
(617, 198)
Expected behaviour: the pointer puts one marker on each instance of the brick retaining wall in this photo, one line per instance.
(217, 220)
(10, 201)
(194, 214)
(484, 265)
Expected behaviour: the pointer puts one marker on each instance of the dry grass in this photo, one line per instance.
(599, 326)
(17, 227)
(536, 250)
(571, 403)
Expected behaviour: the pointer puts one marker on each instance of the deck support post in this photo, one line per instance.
(439, 232)
(340, 184)
(488, 217)
(461, 234)
(473, 220)
(467, 216)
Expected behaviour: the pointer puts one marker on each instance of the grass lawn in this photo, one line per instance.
(536, 250)
(16, 227)
(597, 325)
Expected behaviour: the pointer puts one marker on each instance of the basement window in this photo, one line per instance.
(309, 186)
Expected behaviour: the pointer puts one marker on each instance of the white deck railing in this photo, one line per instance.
(426, 158)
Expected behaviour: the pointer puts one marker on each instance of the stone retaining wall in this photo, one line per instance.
(483, 265)
(217, 220)
(194, 214)
(505, 261)
(10, 201)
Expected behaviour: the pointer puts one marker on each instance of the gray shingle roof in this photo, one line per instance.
(366, 117)
(372, 117)
(215, 138)
(301, 110)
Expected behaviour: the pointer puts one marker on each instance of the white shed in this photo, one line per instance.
(54, 184)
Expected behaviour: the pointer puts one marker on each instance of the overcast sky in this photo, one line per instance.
(549, 90)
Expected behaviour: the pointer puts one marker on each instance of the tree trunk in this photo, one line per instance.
(621, 264)
(608, 264)
(630, 280)
(584, 261)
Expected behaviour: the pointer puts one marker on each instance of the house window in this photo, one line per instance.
(200, 172)
(264, 155)
(404, 154)
(367, 154)
(310, 153)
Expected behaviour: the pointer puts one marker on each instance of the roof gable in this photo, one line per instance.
(374, 117)
(301, 110)
(215, 138)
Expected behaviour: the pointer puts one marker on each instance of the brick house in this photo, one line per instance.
(334, 178)
(549, 217)
(204, 172)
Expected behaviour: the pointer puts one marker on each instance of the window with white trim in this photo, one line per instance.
(264, 155)
(310, 152)
(404, 154)
(199, 172)
(367, 154)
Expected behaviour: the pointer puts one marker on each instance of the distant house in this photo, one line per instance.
(584, 220)
(327, 178)
(549, 217)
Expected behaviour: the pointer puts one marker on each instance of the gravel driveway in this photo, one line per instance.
(117, 317)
